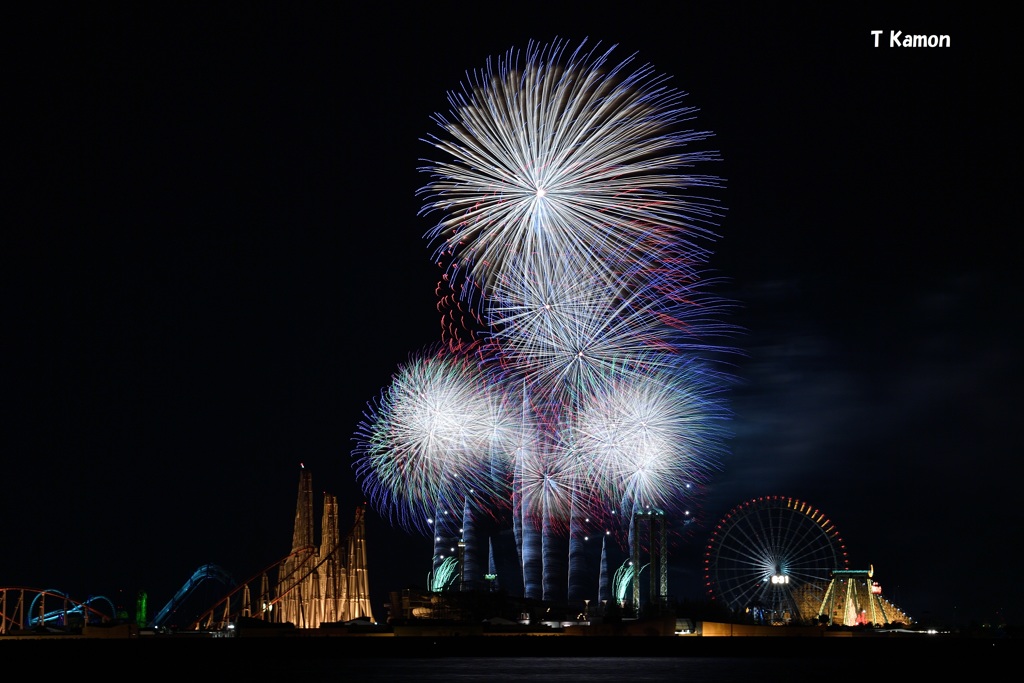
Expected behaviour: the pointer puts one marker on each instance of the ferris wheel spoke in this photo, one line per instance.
(773, 554)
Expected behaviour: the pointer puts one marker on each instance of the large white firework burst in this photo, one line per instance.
(572, 228)
(567, 154)
(642, 440)
(438, 433)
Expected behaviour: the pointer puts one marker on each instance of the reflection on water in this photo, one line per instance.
(588, 669)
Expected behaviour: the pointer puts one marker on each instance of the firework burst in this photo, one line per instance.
(436, 434)
(572, 233)
(568, 331)
(567, 154)
(644, 440)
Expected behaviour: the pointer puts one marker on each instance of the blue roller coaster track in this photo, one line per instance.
(70, 610)
(206, 573)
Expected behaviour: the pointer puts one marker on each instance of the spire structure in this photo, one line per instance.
(326, 583)
(357, 599)
(298, 586)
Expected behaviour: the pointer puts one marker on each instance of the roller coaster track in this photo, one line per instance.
(238, 603)
(15, 616)
(202, 575)
(259, 596)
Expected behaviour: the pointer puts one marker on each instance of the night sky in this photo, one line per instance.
(213, 260)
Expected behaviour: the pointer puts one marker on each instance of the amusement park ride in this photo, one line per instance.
(309, 586)
(775, 560)
(781, 561)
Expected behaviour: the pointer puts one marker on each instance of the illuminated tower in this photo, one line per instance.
(298, 588)
(332, 566)
(649, 525)
(328, 583)
(357, 603)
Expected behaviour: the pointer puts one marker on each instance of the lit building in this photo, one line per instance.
(854, 598)
(328, 582)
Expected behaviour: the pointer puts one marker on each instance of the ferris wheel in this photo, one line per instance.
(772, 558)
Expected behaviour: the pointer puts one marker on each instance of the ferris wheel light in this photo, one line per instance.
(745, 566)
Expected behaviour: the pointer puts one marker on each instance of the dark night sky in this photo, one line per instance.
(213, 260)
